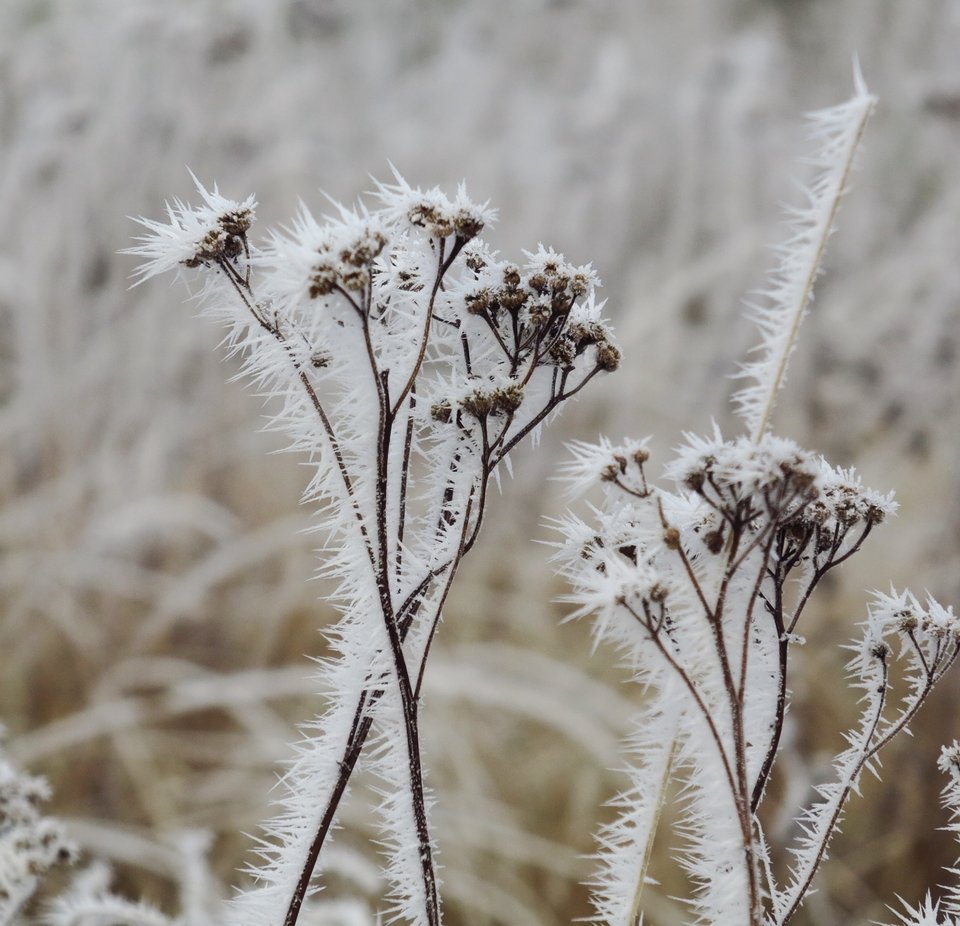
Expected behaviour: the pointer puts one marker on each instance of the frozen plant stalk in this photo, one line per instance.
(703, 584)
(408, 361)
(785, 301)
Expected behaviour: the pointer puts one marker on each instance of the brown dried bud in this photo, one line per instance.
(585, 335)
(538, 283)
(714, 540)
(356, 280)
(508, 399)
(658, 593)
(365, 250)
(511, 275)
(610, 472)
(323, 281)
(641, 456)
(480, 404)
(671, 538)
(608, 358)
(563, 352)
(467, 224)
(694, 481)
(539, 313)
(429, 217)
(579, 285)
(478, 303)
(880, 651)
(232, 247)
(513, 299)
(237, 222)
(907, 621)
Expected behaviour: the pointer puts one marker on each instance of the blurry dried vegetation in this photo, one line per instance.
(156, 607)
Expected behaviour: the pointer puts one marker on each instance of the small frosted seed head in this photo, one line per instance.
(467, 224)
(608, 358)
(671, 538)
(508, 399)
(880, 651)
(579, 285)
(475, 262)
(478, 303)
(511, 275)
(363, 251)
(512, 299)
(237, 223)
(426, 215)
(539, 313)
(714, 540)
(610, 473)
(907, 621)
(538, 283)
(323, 281)
(563, 353)
(658, 593)
(480, 404)
(356, 280)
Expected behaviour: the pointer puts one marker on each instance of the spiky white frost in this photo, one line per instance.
(407, 359)
(781, 306)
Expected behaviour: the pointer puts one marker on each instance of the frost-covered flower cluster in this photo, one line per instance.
(409, 360)
(704, 585)
(30, 843)
(702, 579)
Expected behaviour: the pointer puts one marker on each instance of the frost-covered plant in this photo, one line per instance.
(408, 360)
(703, 582)
(30, 843)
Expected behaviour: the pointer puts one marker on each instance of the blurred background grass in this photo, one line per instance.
(156, 609)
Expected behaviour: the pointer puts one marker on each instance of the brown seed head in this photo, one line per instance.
(671, 538)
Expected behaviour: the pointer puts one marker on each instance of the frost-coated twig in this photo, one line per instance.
(409, 360)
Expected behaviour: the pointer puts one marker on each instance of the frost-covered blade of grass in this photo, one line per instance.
(780, 307)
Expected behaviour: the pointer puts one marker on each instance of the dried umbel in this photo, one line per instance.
(409, 360)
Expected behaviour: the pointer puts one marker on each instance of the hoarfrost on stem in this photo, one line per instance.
(702, 579)
(408, 360)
